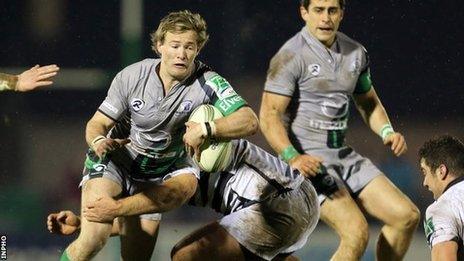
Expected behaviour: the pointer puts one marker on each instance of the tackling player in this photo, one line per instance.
(28, 80)
(158, 95)
(269, 210)
(442, 164)
(304, 117)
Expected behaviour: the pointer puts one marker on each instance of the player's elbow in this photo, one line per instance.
(252, 123)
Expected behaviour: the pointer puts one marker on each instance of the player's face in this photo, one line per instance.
(322, 19)
(178, 52)
(431, 180)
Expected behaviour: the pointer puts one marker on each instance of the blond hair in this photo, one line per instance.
(179, 22)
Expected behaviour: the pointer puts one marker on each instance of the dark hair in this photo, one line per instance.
(446, 150)
(305, 3)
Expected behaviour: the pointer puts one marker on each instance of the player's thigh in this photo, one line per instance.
(138, 237)
(343, 214)
(94, 234)
(211, 242)
(384, 201)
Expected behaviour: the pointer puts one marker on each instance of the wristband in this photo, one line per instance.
(386, 130)
(97, 139)
(289, 153)
(204, 129)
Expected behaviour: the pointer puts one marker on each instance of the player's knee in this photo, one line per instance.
(92, 243)
(409, 217)
(356, 234)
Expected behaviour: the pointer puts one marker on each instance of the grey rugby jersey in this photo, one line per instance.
(320, 82)
(253, 176)
(157, 119)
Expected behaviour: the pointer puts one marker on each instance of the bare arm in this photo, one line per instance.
(30, 79)
(445, 251)
(273, 107)
(375, 116)
(160, 198)
(95, 135)
(66, 223)
(240, 123)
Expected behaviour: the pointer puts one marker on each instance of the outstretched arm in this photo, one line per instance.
(30, 79)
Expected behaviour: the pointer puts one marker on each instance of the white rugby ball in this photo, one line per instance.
(215, 155)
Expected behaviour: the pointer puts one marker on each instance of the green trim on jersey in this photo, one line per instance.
(228, 100)
(364, 83)
(429, 229)
(336, 138)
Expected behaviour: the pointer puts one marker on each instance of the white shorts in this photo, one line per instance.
(280, 224)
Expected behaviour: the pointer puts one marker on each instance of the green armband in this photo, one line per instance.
(386, 130)
(289, 153)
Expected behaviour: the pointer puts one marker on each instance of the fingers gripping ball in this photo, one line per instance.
(215, 155)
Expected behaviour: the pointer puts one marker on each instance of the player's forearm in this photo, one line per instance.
(99, 125)
(239, 124)
(372, 111)
(8, 82)
(162, 198)
(274, 130)
(377, 119)
(93, 130)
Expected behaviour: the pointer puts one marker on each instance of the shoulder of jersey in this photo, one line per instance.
(215, 155)
(140, 68)
(349, 41)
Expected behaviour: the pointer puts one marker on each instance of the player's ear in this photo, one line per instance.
(158, 47)
(303, 12)
(442, 171)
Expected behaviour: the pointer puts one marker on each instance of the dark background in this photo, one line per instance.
(415, 49)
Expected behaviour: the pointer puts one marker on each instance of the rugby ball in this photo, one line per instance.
(215, 155)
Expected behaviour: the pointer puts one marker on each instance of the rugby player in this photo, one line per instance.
(158, 95)
(304, 116)
(442, 164)
(28, 80)
(269, 210)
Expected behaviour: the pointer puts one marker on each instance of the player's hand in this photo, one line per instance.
(397, 143)
(193, 139)
(308, 165)
(36, 77)
(102, 210)
(105, 146)
(63, 223)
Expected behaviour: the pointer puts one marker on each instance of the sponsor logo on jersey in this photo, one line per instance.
(429, 229)
(99, 167)
(356, 67)
(226, 104)
(314, 69)
(156, 140)
(185, 106)
(137, 104)
(335, 105)
(110, 107)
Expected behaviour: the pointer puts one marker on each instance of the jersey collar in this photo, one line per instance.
(454, 182)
